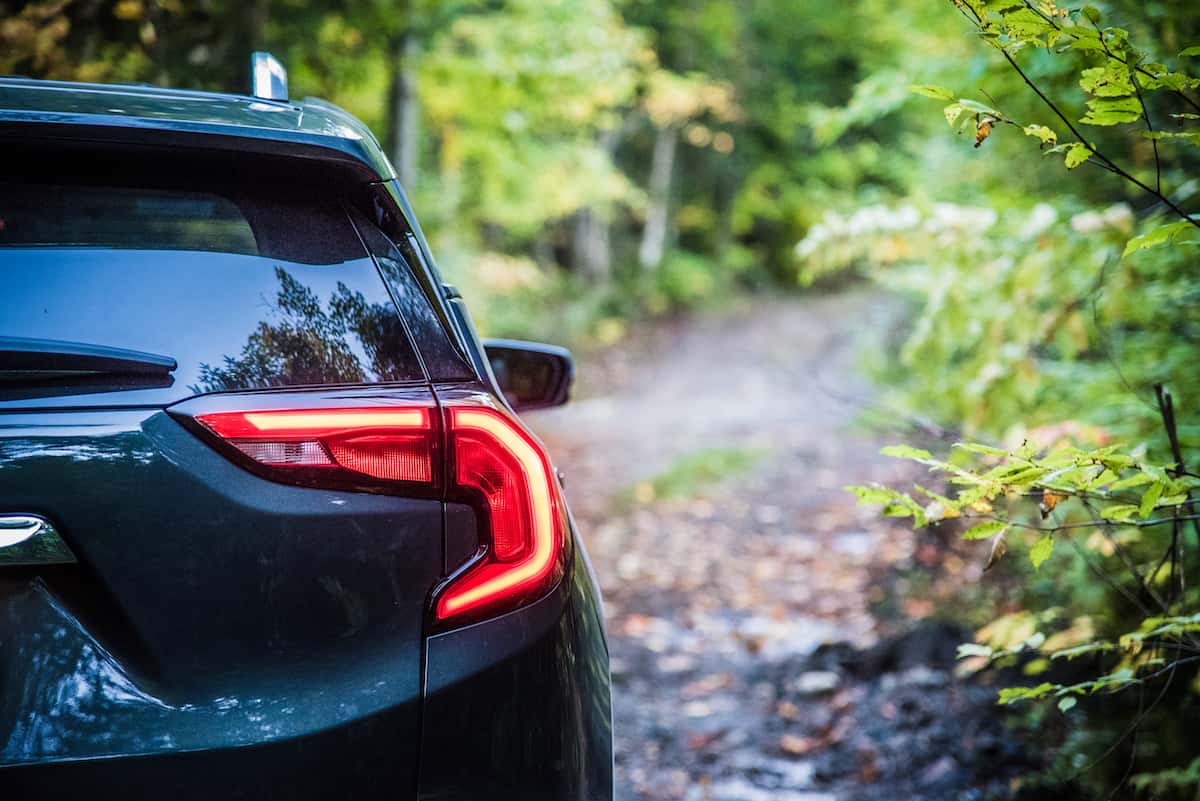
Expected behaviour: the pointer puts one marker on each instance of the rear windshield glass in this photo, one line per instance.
(245, 286)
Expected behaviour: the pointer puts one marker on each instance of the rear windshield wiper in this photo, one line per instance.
(33, 368)
(45, 357)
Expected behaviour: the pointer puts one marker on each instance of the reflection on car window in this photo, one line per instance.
(247, 284)
(308, 342)
(441, 359)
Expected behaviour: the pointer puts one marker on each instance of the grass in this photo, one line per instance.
(688, 475)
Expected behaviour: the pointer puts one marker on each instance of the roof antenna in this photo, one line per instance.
(268, 77)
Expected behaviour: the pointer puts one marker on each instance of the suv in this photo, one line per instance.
(270, 527)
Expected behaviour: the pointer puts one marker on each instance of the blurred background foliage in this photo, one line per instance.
(582, 163)
(654, 154)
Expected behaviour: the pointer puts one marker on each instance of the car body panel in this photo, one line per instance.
(237, 610)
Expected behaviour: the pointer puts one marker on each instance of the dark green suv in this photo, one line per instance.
(270, 527)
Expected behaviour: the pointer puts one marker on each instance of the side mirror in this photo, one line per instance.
(531, 375)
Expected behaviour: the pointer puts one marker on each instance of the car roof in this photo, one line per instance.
(144, 112)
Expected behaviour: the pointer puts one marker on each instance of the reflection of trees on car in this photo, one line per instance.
(310, 343)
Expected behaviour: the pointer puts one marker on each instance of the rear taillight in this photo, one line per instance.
(504, 472)
(485, 455)
(389, 444)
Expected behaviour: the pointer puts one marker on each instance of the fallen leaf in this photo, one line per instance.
(796, 745)
(707, 685)
(788, 711)
(700, 740)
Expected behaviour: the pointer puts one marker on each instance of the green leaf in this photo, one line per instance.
(905, 452)
(1136, 480)
(1047, 136)
(1150, 499)
(985, 531)
(1077, 153)
(1026, 24)
(1092, 14)
(1112, 111)
(1190, 51)
(1024, 475)
(1009, 695)
(952, 112)
(1191, 137)
(1088, 41)
(1041, 551)
(1081, 650)
(1161, 235)
(1111, 80)
(872, 496)
(969, 649)
(975, 447)
(1067, 704)
(1156, 472)
(1170, 80)
(1120, 512)
(979, 108)
(929, 90)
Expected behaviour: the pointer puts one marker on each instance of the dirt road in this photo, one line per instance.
(725, 595)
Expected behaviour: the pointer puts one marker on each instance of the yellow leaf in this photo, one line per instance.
(1047, 136)
(128, 10)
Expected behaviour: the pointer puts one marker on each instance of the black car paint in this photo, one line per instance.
(137, 696)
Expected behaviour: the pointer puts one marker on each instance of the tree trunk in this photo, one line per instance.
(404, 109)
(662, 166)
(592, 254)
(591, 243)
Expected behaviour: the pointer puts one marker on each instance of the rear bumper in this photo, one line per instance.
(514, 708)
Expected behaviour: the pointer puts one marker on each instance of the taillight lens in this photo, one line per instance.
(505, 472)
(388, 444)
(493, 464)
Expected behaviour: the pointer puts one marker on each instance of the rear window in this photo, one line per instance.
(245, 285)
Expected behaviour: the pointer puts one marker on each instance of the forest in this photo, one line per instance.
(1023, 174)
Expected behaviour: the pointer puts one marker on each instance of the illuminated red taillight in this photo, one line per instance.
(492, 464)
(389, 444)
(506, 472)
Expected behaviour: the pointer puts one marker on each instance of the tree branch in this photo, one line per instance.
(1106, 162)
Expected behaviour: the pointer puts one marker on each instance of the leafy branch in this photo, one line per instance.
(1116, 93)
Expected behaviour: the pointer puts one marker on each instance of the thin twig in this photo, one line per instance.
(1125, 560)
(1107, 579)
(1149, 127)
(1166, 405)
(1130, 729)
(1157, 521)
